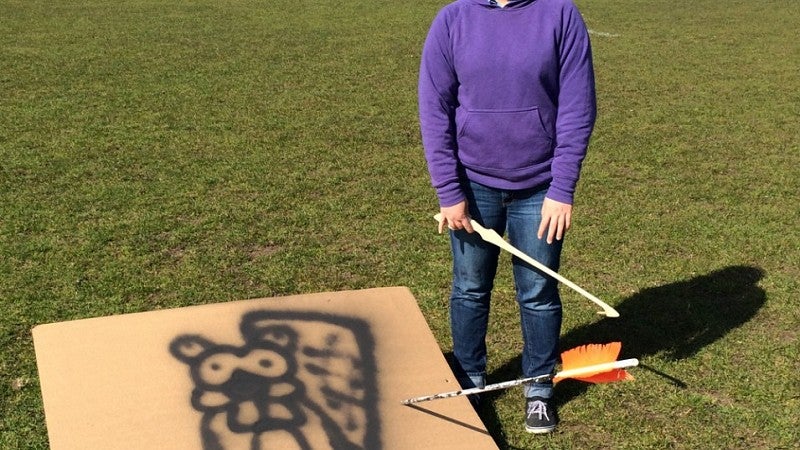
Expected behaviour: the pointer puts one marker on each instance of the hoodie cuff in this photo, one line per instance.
(450, 195)
(557, 193)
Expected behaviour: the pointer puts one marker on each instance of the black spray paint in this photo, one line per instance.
(309, 375)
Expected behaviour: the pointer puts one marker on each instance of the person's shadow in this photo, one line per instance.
(675, 320)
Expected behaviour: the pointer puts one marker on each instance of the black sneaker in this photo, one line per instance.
(541, 415)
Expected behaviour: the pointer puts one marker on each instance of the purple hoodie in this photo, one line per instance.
(506, 97)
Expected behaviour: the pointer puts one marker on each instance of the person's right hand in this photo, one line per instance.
(455, 217)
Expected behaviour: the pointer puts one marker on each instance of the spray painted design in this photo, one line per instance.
(300, 380)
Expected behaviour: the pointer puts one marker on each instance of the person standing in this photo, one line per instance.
(506, 107)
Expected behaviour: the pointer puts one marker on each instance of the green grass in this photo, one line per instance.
(161, 154)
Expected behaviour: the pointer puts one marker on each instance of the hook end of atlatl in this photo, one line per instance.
(612, 313)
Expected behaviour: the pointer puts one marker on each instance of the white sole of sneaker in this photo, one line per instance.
(544, 430)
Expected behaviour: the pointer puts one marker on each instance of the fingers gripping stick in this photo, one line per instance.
(492, 237)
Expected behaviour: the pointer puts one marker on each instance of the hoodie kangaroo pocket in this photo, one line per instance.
(497, 141)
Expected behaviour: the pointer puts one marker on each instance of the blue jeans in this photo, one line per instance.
(474, 266)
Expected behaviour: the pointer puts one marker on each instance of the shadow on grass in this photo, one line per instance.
(675, 320)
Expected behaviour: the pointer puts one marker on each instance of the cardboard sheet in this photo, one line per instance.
(311, 372)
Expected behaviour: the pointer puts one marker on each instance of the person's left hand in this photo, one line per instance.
(556, 219)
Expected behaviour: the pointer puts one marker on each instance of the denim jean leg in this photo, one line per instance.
(537, 293)
(474, 268)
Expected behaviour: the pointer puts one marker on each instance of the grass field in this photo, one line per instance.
(160, 154)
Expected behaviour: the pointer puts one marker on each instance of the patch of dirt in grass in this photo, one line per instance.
(263, 251)
(718, 398)
(586, 434)
(176, 252)
(19, 383)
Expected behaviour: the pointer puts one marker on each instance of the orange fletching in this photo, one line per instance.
(608, 377)
(592, 354)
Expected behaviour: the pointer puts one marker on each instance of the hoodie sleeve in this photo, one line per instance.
(577, 107)
(438, 87)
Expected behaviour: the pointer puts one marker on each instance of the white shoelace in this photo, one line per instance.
(538, 407)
